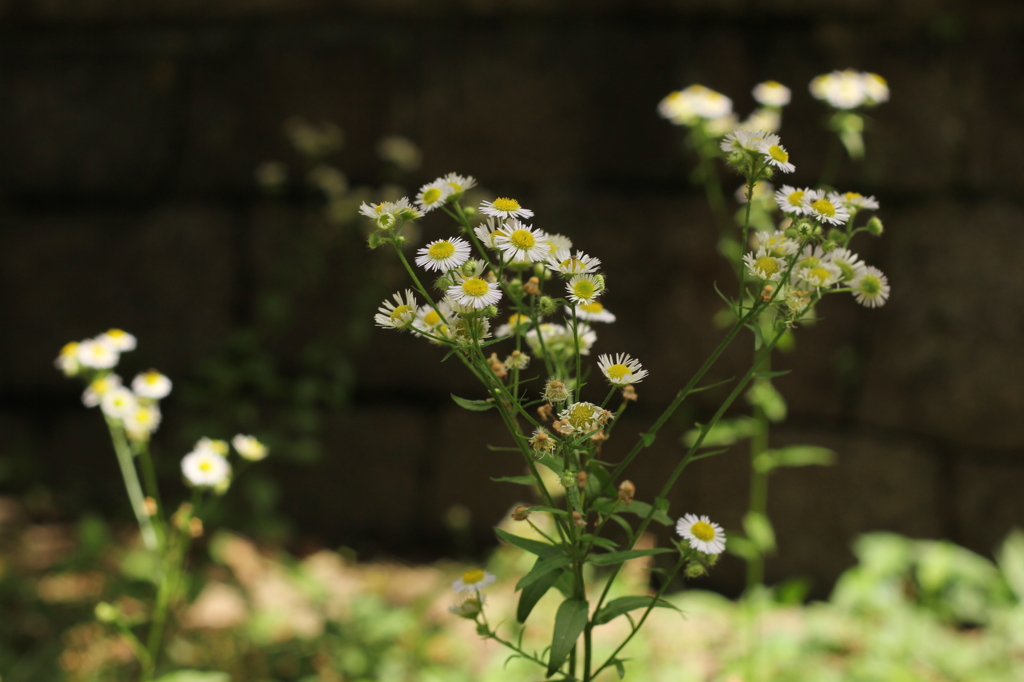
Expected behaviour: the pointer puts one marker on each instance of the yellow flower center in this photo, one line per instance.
(703, 531)
(580, 416)
(819, 275)
(810, 262)
(69, 349)
(441, 250)
(824, 207)
(101, 386)
(871, 285)
(505, 204)
(431, 195)
(399, 313)
(115, 333)
(431, 318)
(773, 84)
(516, 319)
(583, 289)
(475, 286)
(778, 153)
(143, 417)
(522, 239)
(205, 465)
(850, 196)
(219, 446)
(456, 187)
(846, 269)
(766, 264)
(796, 197)
(472, 576)
(151, 377)
(594, 307)
(617, 372)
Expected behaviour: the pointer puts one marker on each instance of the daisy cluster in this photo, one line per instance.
(700, 107)
(136, 407)
(850, 89)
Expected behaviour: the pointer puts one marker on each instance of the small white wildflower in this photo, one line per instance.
(592, 312)
(772, 94)
(67, 359)
(563, 262)
(828, 208)
(853, 201)
(764, 266)
(702, 534)
(776, 155)
(521, 242)
(474, 293)
(98, 388)
(204, 468)
(584, 288)
(871, 288)
(248, 447)
(791, 200)
(516, 322)
(473, 580)
(849, 264)
(142, 421)
(444, 254)
(503, 207)
(152, 385)
(97, 353)
(583, 417)
(459, 183)
(433, 195)
(399, 314)
(621, 371)
(118, 339)
(118, 402)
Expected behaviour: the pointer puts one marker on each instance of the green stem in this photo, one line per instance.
(758, 483)
(131, 484)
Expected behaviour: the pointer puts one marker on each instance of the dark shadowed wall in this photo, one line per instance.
(129, 133)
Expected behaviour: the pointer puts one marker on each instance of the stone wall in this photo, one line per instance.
(129, 133)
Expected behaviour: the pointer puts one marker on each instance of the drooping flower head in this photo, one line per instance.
(871, 288)
(248, 447)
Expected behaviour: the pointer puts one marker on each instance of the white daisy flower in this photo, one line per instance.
(841, 89)
(516, 322)
(459, 184)
(583, 417)
(678, 108)
(776, 243)
(559, 242)
(249, 448)
(470, 607)
(702, 534)
(621, 371)
(717, 127)
(772, 94)
(214, 445)
(748, 141)
(875, 87)
(559, 341)
(503, 207)
(118, 339)
(98, 388)
(708, 103)
(474, 293)
(387, 214)
(821, 275)
(399, 314)
(853, 201)
(776, 155)
(464, 329)
(521, 242)
(592, 312)
(142, 421)
(762, 190)
(152, 385)
(791, 200)
(826, 208)
(428, 320)
(849, 264)
(67, 359)
(871, 288)
(433, 194)
(488, 232)
(205, 469)
(118, 402)
(764, 266)
(584, 288)
(563, 262)
(443, 254)
(517, 360)
(763, 119)
(97, 354)
(473, 580)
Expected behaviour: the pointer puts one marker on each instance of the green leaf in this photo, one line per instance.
(759, 531)
(1011, 560)
(598, 542)
(541, 549)
(625, 526)
(195, 676)
(570, 620)
(617, 607)
(541, 568)
(566, 584)
(619, 668)
(573, 493)
(613, 558)
(764, 395)
(725, 432)
(648, 439)
(521, 480)
(472, 405)
(795, 456)
(533, 592)
(772, 375)
(741, 547)
(642, 509)
(549, 510)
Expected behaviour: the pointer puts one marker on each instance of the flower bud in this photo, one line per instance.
(521, 513)
(874, 226)
(545, 412)
(567, 479)
(539, 270)
(373, 241)
(469, 210)
(555, 391)
(398, 241)
(195, 527)
(836, 235)
(578, 519)
(626, 492)
(546, 305)
(151, 507)
(766, 293)
(629, 393)
(532, 286)
(694, 570)
(469, 268)
(828, 246)
(489, 311)
(581, 479)
(443, 283)
(481, 629)
(515, 286)
(386, 221)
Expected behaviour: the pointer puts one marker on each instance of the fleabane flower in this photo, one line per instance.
(592, 312)
(428, 320)
(772, 94)
(776, 243)
(559, 242)
(473, 580)
(503, 207)
(118, 402)
(517, 322)
(248, 447)
(875, 87)
(621, 371)
(584, 288)
(687, 106)
(748, 141)
(97, 353)
(764, 266)
(583, 417)
(871, 288)
(470, 607)
(776, 155)
(763, 119)
(152, 385)
(563, 262)
(458, 184)
(204, 468)
(119, 340)
(214, 445)
(443, 254)
(142, 421)
(98, 388)
(702, 533)
(487, 232)
(849, 264)
(432, 195)
(791, 200)
(828, 208)
(820, 275)
(399, 314)
(558, 340)
(521, 242)
(852, 201)
(67, 359)
(542, 442)
(388, 214)
(474, 293)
